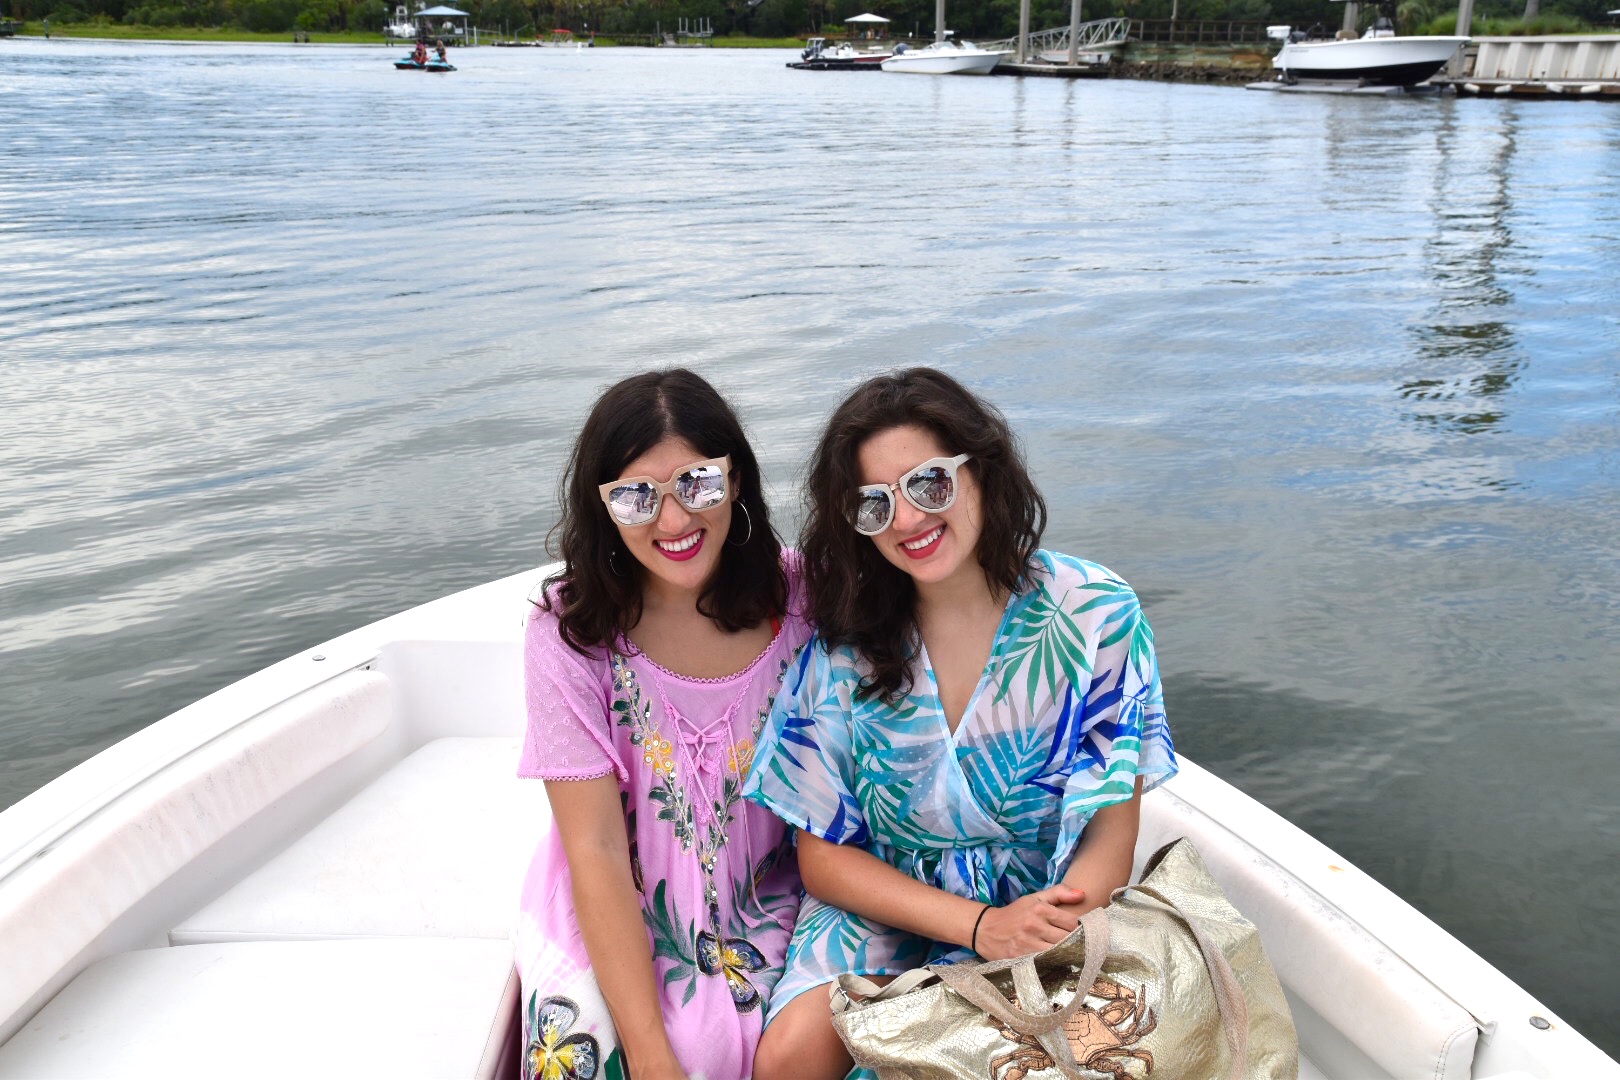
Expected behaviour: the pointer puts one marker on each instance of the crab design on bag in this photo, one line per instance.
(1102, 1039)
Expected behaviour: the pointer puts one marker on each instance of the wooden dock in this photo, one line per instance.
(1053, 71)
(1570, 66)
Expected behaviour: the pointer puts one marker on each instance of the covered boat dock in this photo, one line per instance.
(451, 25)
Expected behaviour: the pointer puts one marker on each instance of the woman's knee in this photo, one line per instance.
(801, 1042)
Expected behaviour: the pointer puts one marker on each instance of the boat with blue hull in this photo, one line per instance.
(412, 64)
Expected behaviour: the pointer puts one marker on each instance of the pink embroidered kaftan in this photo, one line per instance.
(718, 880)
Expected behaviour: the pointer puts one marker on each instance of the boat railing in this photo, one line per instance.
(1094, 35)
(1199, 31)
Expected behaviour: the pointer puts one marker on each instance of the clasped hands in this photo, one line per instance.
(1031, 923)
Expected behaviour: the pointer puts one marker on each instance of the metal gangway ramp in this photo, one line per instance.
(1096, 36)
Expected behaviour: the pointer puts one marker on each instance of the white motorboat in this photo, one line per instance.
(315, 872)
(819, 55)
(1377, 58)
(947, 57)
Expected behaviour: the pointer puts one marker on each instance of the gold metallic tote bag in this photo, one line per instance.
(1178, 987)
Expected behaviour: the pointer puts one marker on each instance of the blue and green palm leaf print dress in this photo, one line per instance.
(1066, 717)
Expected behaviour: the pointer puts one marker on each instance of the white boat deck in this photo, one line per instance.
(315, 871)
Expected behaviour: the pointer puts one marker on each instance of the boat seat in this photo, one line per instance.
(436, 847)
(1359, 1008)
(404, 1008)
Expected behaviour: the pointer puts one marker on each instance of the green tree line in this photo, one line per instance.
(784, 18)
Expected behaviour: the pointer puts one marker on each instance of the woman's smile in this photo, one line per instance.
(681, 548)
(923, 544)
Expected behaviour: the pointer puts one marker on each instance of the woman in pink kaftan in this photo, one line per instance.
(651, 664)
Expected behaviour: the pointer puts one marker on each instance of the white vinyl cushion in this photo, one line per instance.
(1374, 999)
(53, 911)
(404, 1008)
(436, 847)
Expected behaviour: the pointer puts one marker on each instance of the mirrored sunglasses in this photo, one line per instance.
(930, 487)
(702, 485)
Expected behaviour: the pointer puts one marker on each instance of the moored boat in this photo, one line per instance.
(1379, 57)
(947, 57)
(1389, 61)
(315, 871)
(818, 55)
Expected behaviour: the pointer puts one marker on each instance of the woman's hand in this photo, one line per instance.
(1029, 924)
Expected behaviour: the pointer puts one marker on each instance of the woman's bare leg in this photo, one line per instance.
(801, 1041)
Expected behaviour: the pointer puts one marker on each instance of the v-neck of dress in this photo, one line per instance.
(990, 665)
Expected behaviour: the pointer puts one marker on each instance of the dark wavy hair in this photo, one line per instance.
(858, 597)
(597, 593)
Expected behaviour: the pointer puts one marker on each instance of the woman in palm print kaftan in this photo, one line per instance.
(962, 745)
(1068, 715)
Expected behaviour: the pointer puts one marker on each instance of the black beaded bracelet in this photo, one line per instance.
(974, 942)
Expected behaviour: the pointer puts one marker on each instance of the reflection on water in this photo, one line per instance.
(1335, 383)
(1477, 351)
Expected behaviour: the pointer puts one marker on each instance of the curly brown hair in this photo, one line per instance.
(857, 597)
(597, 593)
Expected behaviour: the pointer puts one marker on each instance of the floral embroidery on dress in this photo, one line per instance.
(656, 752)
(549, 1055)
(715, 951)
(740, 758)
(633, 711)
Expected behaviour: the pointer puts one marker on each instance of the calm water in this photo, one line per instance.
(290, 340)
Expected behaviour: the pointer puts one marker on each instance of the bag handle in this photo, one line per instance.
(1037, 1017)
(844, 992)
(1229, 1000)
(970, 983)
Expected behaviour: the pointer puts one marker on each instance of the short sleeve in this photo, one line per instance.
(804, 768)
(1123, 733)
(569, 729)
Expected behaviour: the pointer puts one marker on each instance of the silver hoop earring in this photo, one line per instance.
(748, 518)
(612, 565)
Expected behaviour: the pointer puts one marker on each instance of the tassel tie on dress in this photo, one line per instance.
(705, 767)
(705, 764)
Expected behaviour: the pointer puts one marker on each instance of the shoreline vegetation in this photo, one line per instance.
(112, 31)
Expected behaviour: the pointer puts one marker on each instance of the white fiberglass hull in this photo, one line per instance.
(1386, 61)
(330, 851)
(945, 62)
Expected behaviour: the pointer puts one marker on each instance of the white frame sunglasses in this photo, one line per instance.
(672, 486)
(903, 486)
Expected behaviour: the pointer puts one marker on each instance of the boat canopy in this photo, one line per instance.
(866, 18)
(441, 12)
